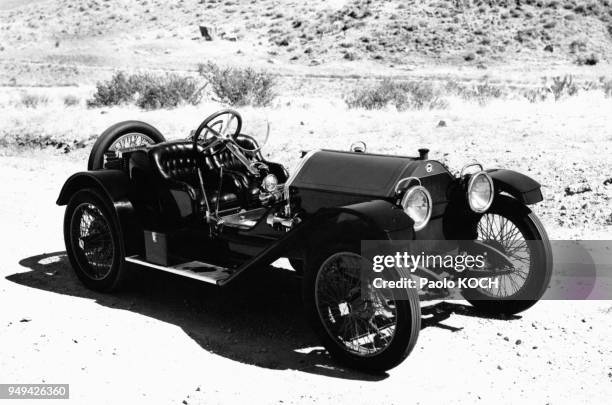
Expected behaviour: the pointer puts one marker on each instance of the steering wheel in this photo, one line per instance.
(219, 125)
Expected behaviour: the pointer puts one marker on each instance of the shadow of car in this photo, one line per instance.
(244, 322)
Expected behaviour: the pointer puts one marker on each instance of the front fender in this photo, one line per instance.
(523, 188)
(375, 219)
(370, 220)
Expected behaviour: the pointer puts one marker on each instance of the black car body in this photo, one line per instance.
(213, 209)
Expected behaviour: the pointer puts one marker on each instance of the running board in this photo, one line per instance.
(208, 273)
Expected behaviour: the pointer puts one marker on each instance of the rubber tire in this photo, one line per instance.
(104, 141)
(537, 282)
(115, 279)
(408, 323)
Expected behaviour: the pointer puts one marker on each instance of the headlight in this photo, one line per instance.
(417, 205)
(480, 192)
(269, 183)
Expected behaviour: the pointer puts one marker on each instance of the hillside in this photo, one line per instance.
(355, 33)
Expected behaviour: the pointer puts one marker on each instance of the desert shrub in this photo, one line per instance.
(402, 95)
(117, 90)
(587, 59)
(147, 90)
(71, 100)
(421, 95)
(41, 140)
(33, 100)
(482, 93)
(239, 86)
(537, 94)
(373, 97)
(589, 85)
(606, 86)
(562, 86)
(166, 91)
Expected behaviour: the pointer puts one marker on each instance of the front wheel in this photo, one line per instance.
(514, 230)
(365, 328)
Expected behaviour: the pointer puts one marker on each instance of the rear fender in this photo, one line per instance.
(114, 185)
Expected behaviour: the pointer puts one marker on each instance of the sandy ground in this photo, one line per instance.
(171, 340)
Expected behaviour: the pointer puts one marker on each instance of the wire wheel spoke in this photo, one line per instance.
(128, 141)
(94, 246)
(131, 140)
(362, 323)
(504, 235)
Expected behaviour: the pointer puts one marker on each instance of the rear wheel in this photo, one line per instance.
(123, 135)
(362, 327)
(515, 231)
(93, 243)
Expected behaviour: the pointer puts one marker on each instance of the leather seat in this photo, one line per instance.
(176, 165)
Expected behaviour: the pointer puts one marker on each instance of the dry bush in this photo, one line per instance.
(71, 100)
(563, 86)
(23, 140)
(148, 91)
(239, 86)
(33, 100)
(166, 91)
(559, 88)
(536, 95)
(485, 92)
(606, 86)
(587, 59)
(118, 90)
(482, 93)
(402, 95)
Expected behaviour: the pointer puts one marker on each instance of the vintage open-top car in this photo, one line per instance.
(210, 207)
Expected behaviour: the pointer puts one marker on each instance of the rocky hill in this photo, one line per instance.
(354, 33)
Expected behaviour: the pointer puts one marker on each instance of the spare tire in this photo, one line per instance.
(126, 134)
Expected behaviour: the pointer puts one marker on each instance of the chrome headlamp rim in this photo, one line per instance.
(270, 183)
(409, 192)
(471, 181)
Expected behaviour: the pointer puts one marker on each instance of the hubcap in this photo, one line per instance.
(361, 320)
(502, 234)
(92, 241)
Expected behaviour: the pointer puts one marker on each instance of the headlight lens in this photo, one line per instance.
(270, 183)
(480, 192)
(417, 205)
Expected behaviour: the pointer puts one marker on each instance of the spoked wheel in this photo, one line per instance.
(131, 140)
(124, 135)
(93, 244)
(516, 232)
(361, 326)
(90, 232)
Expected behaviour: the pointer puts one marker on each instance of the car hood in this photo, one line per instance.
(358, 173)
